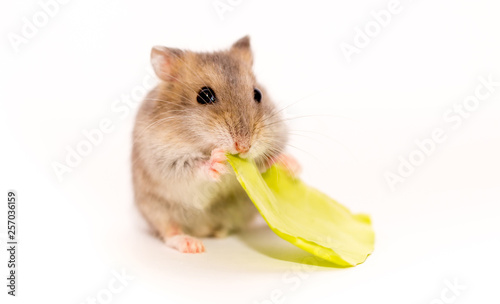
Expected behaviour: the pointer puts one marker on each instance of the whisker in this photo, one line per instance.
(276, 112)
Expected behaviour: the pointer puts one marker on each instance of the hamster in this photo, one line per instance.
(205, 105)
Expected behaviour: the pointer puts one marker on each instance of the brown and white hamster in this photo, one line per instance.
(206, 105)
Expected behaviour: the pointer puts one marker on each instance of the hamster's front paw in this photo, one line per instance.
(289, 162)
(185, 243)
(216, 165)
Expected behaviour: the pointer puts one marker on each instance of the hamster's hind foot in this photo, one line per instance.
(185, 243)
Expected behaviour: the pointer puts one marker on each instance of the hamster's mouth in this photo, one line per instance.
(244, 154)
(242, 148)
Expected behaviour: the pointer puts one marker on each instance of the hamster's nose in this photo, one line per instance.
(241, 147)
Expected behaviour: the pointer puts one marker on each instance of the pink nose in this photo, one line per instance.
(241, 147)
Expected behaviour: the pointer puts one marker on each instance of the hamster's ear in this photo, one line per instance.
(242, 49)
(163, 61)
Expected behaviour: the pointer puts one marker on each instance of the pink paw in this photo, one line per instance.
(216, 165)
(290, 163)
(185, 243)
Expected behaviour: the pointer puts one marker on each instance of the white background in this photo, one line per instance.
(440, 225)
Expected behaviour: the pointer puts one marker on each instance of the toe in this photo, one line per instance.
(219, 168)
(218, 155)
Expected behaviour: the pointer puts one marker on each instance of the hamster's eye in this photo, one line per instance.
(206, 95)
(257, 95)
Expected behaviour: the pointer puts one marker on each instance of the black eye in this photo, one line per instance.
(257, 95)
(206, 95)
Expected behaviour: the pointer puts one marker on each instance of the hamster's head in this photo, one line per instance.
(212, 100)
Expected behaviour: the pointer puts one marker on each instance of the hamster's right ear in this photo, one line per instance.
(163, 61)
(243, 50)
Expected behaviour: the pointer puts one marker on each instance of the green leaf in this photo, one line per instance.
(304, 216)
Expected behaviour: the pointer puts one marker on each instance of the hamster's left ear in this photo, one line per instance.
(241, 48)
(164, 61)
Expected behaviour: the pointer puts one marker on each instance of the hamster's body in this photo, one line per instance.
(206, 105)
(201, 206)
